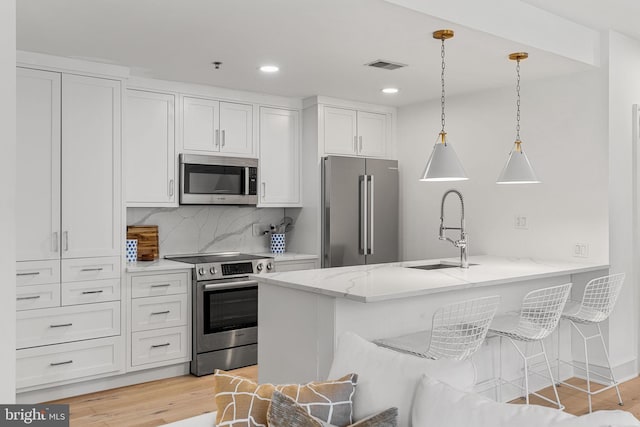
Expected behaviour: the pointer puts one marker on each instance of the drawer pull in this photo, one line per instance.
(61, 325)
(160, 312)
(92, 292)
(25, 298)
(161, 345)
(92, 269)
(164, 285)
(33, 273)
(61, 363)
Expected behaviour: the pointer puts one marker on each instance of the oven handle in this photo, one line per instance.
(230, 285)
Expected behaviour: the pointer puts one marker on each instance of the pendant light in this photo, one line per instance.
(443, 164)
(518, 169)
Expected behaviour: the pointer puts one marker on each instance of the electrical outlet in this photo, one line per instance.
(581, 250)
(260, 229)
(520, 222)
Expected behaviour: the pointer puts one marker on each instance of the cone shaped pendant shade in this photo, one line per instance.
(443, 164)
(518, 170)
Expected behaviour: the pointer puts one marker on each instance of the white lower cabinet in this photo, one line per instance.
(64, 363)
(159, 326)
(65, 324)
(165, 346)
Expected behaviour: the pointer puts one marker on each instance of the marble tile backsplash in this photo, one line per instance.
(201, 229)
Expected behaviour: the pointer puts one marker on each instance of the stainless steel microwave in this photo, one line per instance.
(217, 180)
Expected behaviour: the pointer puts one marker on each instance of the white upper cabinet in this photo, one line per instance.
(236, 128)
(217, 127)
(150, 149)
(38, 158)
(355, 133)
(91, 202)
(340, 131)
(279, 157)
(372, 134)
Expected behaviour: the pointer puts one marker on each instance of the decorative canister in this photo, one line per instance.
(277, 243)
(132, 250)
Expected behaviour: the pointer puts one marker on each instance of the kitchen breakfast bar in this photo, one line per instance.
(301, 314)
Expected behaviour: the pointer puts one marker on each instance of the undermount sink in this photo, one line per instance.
(437, 266)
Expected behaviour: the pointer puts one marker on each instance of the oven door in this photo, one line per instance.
(226, 314)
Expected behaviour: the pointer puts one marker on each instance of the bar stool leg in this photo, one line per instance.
(606, 354)
(553, 383)
(586, 363)
(500, 373)
(558, 355)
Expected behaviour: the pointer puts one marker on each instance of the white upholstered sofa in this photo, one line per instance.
(432, 393)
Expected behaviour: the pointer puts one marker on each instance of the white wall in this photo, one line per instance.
(624, 91)
(564, 134)
(7, 214)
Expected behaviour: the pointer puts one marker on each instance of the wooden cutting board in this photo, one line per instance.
(147, 236)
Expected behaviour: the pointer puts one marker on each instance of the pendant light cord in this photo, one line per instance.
(518, 102)
(442, 96)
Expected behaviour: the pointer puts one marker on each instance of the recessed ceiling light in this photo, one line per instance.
(390, 90)
(269, 68)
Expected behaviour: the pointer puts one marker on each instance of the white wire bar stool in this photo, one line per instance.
(599, 298)
(538, 318)
(458, 330)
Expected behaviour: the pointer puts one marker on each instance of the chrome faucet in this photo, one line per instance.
(462, 242)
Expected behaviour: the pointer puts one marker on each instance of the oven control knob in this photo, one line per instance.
(212, 270)
(259, 267)
(269, 266)
(201, 271)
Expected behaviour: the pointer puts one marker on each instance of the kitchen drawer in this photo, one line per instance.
(83, 269)
(37, 272)
(159, 345)
(65, 324)
(64, 362)
(89, 292)
(282, 266)
(37, 296)
(160, 284)
(158, 312)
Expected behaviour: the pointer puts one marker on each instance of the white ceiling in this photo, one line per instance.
(620, 15)
(320, 45)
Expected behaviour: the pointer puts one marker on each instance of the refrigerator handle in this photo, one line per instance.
(363, 214)
(371, 210)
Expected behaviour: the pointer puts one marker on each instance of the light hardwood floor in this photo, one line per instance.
(160, 402)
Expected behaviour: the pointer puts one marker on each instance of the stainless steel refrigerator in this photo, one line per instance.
(359, 211)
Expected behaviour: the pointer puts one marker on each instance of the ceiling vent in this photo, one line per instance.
(386, 65)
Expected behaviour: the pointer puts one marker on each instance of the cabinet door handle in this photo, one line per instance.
(65, 237)
(92, 292)
(171, 188)
(360, 144)
(54, 242)
(167, 344)
(217, 141)
(155, 313)
(67, 362)
(92, 269)
(61, 325)
(355, 143)
(224, 139)
(25, 298)
(264, 189)
(31, 273)
(164, 285)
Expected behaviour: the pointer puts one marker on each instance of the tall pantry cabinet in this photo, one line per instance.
(68, 227)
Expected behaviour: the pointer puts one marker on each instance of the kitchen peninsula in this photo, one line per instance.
(302, 313)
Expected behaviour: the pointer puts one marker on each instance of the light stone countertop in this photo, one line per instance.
(159, 264)
(380, 282)
(288, 256)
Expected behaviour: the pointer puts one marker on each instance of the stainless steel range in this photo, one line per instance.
(225, 309)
